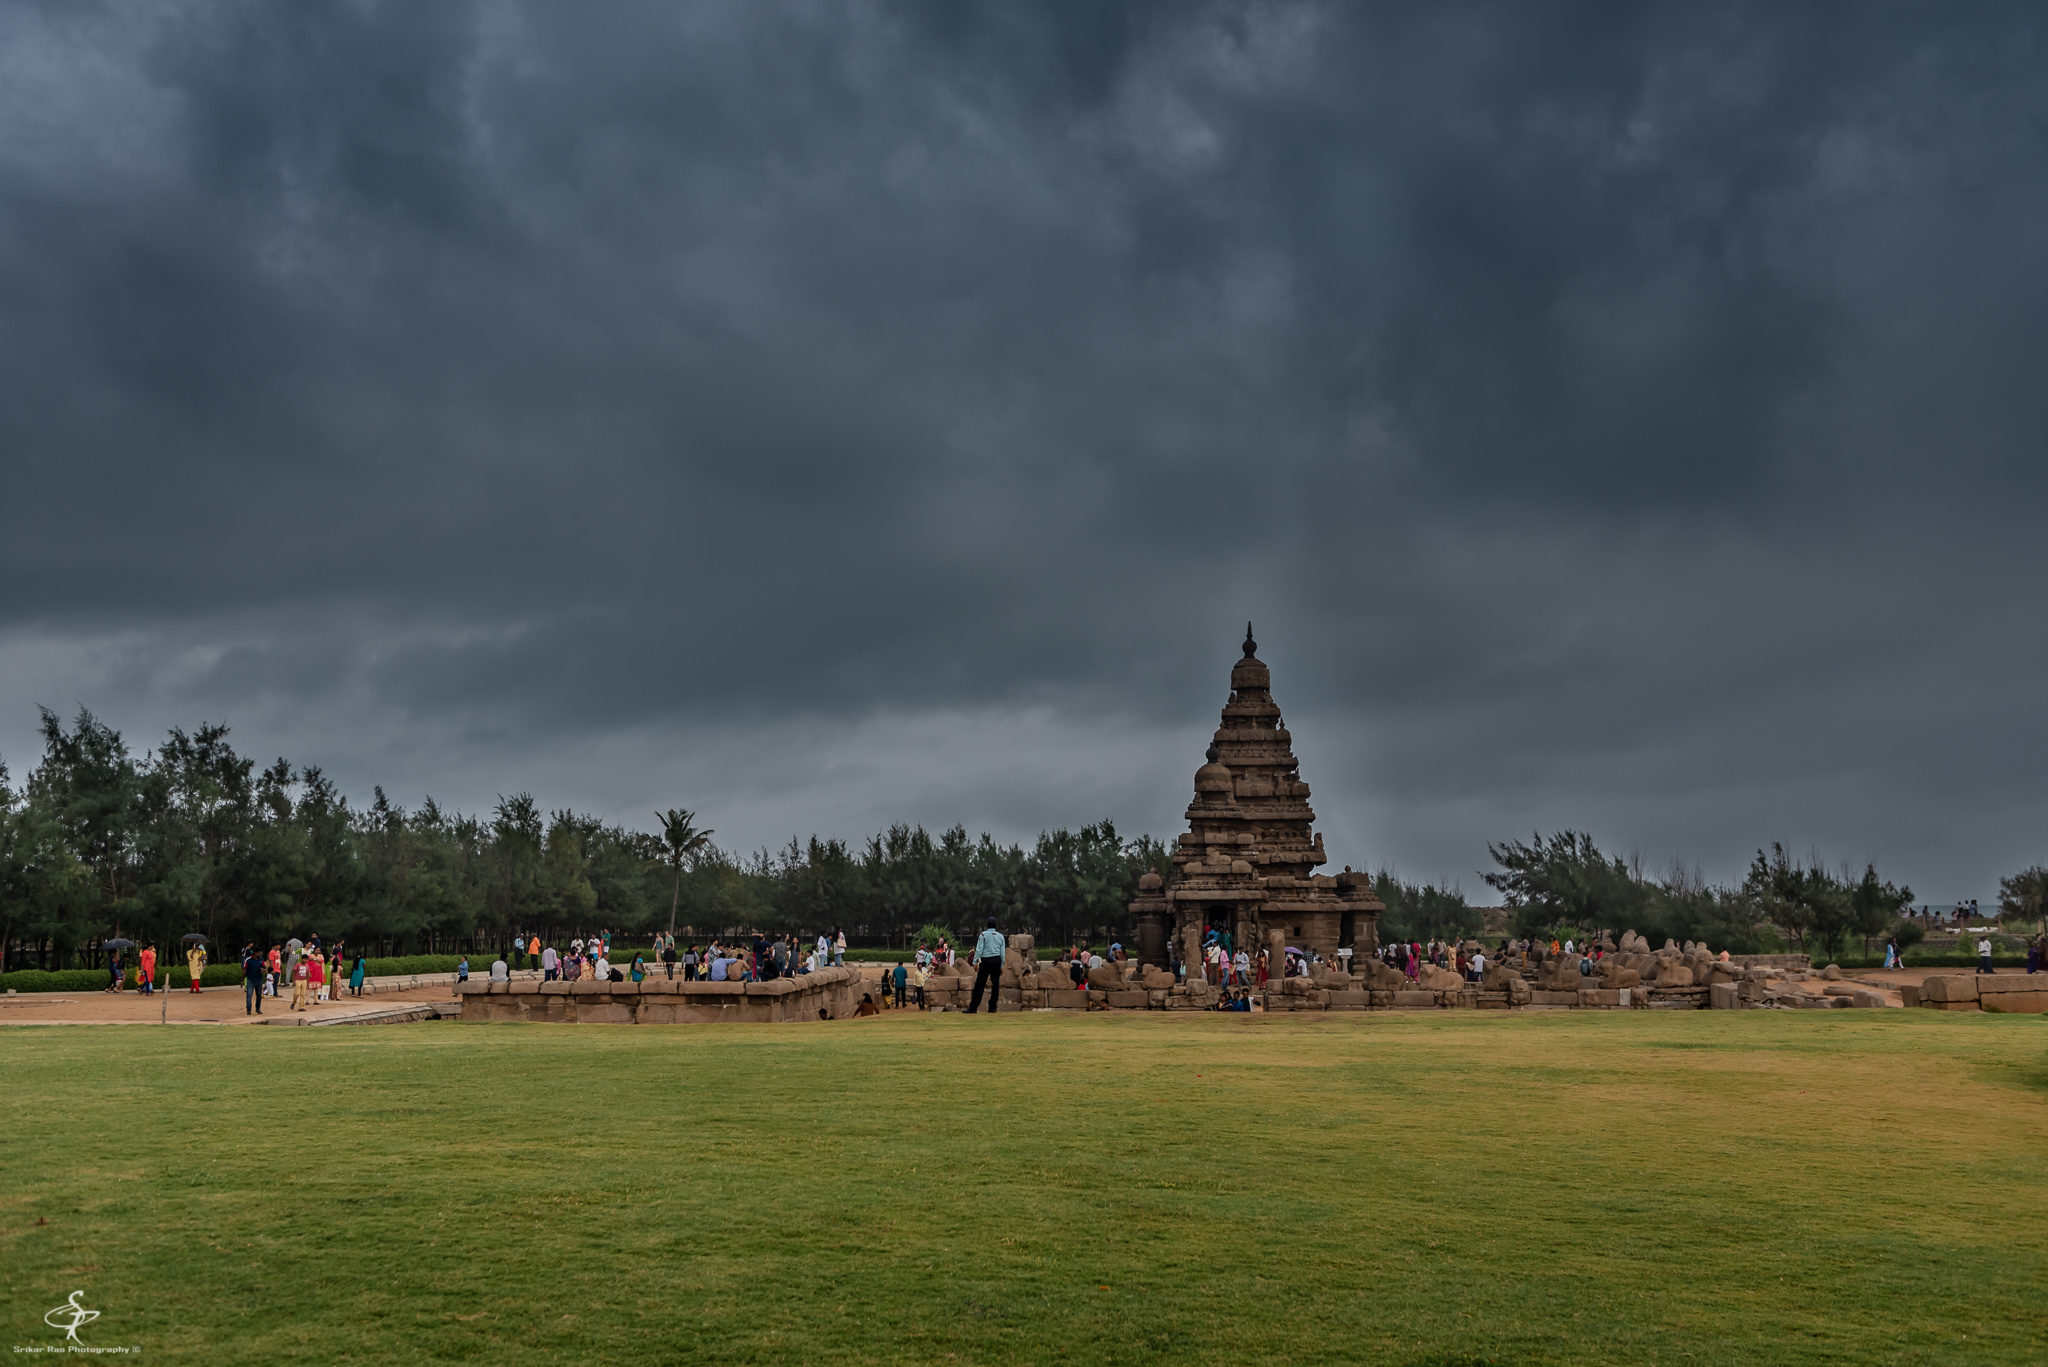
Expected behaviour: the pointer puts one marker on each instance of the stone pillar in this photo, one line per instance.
(1191, 949)
(1150, 912)
(1276, 954)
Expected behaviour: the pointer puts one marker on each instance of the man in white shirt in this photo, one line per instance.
(988, 967)
(604, 968)
(550, 962)
(1984, 956)
(1478, 965)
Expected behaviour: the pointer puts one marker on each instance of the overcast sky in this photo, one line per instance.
(1625, 417)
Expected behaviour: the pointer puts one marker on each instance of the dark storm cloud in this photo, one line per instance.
(1617, 412)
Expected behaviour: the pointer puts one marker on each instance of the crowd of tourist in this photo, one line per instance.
(756, 958)
(313, 973)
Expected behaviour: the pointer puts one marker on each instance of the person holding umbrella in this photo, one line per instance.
(195, 957)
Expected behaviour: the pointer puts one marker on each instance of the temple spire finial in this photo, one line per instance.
(1250, 646)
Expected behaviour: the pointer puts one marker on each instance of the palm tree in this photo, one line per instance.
(681, 841)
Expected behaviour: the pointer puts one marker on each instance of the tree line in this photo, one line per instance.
(99, 841)
(1565, 880)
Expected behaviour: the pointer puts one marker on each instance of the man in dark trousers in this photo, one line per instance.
(252, 981)
(988, 967)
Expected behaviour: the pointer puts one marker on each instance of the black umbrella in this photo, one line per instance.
(195, 938)
(117, 944)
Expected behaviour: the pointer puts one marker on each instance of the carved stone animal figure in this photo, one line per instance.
(1612, 974)
(1384, 977)
(1674, 974)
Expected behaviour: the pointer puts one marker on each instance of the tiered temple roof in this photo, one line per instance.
(1247, 864)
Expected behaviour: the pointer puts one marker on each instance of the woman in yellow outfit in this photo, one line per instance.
(196, 957)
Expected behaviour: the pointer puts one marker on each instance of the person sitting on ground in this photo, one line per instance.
(867, 1006)
(501, 972)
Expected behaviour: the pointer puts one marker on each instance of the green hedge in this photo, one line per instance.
(93, 979)
(61, 980)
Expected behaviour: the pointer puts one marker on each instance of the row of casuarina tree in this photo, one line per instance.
(99, 841)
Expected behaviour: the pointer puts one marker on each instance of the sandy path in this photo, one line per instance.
(210, 1006)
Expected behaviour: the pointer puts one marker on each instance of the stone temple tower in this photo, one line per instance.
(1247, 865)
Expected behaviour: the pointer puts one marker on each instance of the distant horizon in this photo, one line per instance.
(1019, 837)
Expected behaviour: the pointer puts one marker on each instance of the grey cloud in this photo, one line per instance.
(1596, 401)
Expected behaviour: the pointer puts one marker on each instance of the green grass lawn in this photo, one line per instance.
(1741, 1187)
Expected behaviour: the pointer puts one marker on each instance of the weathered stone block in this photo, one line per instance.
(1866, 998)
(1538, 997)
(1350, 999)
(590, 989)
(2017, 1003)
(1067, 999)
(1838, 990)
(1957, 987)
(593, 1012)
(1599, 996)
(1130, 999)
(1990, 983)
(1413, 997)
(1723, 996)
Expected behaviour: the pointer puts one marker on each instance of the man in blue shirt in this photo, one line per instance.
(988, 967)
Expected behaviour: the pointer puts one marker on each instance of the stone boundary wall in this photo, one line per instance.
(2001, 993)
(663, 1001)
(1803, 962)
(412, 981)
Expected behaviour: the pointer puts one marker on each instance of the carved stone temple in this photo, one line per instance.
(1247, 865)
